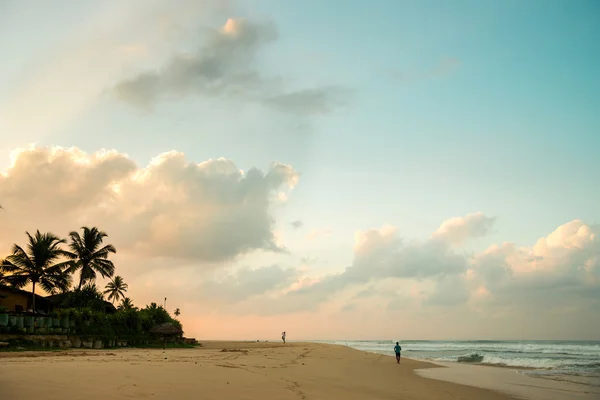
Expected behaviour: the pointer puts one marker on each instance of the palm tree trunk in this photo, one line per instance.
(83, 267)
(33, 298)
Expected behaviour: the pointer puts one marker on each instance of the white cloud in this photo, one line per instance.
(563, 267)
(459, 229)
(172, 208)
(561, 270)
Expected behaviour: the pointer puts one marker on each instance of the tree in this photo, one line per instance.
(3, 279)
(90, 256)
(126, 304)
(87, 297)
(116, 289)
(177, 312)
(40, 265)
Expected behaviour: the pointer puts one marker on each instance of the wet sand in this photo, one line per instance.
(509, 381)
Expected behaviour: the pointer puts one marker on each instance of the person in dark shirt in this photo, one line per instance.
(397, 349)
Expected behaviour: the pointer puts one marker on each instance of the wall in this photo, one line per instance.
(63, 341)
(22, 298)
(12, 299)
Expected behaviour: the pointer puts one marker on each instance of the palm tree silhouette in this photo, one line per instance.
(126, 304)
(39, 266)
(177, 312)
(116, 289)
(90, 256)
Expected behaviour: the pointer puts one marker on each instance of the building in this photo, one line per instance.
(17, 300)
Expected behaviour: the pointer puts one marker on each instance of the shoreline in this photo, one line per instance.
(526, 386)
(240, 370)
(511, 382)
(318, 371)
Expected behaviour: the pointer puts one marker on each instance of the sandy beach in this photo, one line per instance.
(228, 370)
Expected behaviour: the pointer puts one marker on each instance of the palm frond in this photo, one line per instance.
(39, 264)
(91, 256)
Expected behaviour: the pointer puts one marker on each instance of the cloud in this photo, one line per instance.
(225, 66)
(184, 226)
(316, 101)
(382, 254)
(397, 275)
(366, 293)
(233, 287)
(460, 229)
(317, 233)
(297, 224)
(105, 40)
(172, 208)
(561, 269)
(449, 291)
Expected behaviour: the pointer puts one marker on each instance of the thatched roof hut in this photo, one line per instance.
(166, 329)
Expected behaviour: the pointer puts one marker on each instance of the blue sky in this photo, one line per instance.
(448, 108)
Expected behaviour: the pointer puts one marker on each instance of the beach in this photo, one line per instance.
(231, 370)
(566, 362)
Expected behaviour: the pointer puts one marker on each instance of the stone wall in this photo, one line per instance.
(63, 341)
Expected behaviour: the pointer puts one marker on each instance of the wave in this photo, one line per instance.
(561, 348)
(577, 358)
(537, 363)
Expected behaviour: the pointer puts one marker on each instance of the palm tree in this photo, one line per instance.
(39, 265)
(3, 280)
(116, 289)
(126, 304)
(90, 256)
(177, 312)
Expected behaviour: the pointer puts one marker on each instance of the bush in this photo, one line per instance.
(87, 297)
(131, 325)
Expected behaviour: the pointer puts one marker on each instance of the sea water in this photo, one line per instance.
(577, 361)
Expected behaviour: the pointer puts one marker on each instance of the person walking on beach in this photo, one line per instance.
(397, 349)
(283, 337)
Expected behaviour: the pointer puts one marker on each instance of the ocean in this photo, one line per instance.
(577, 361)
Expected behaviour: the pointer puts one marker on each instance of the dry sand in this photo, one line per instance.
(243, 371)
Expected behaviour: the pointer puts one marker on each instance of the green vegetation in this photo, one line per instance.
(127, 304)
(116, 289)
(40, 265)
(89, 256)
(82, 311)
(3, 281)
(130, 325)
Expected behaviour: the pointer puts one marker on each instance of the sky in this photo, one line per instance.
(384, 170)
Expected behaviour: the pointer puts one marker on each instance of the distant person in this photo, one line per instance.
(283, 337)
(397, 349)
